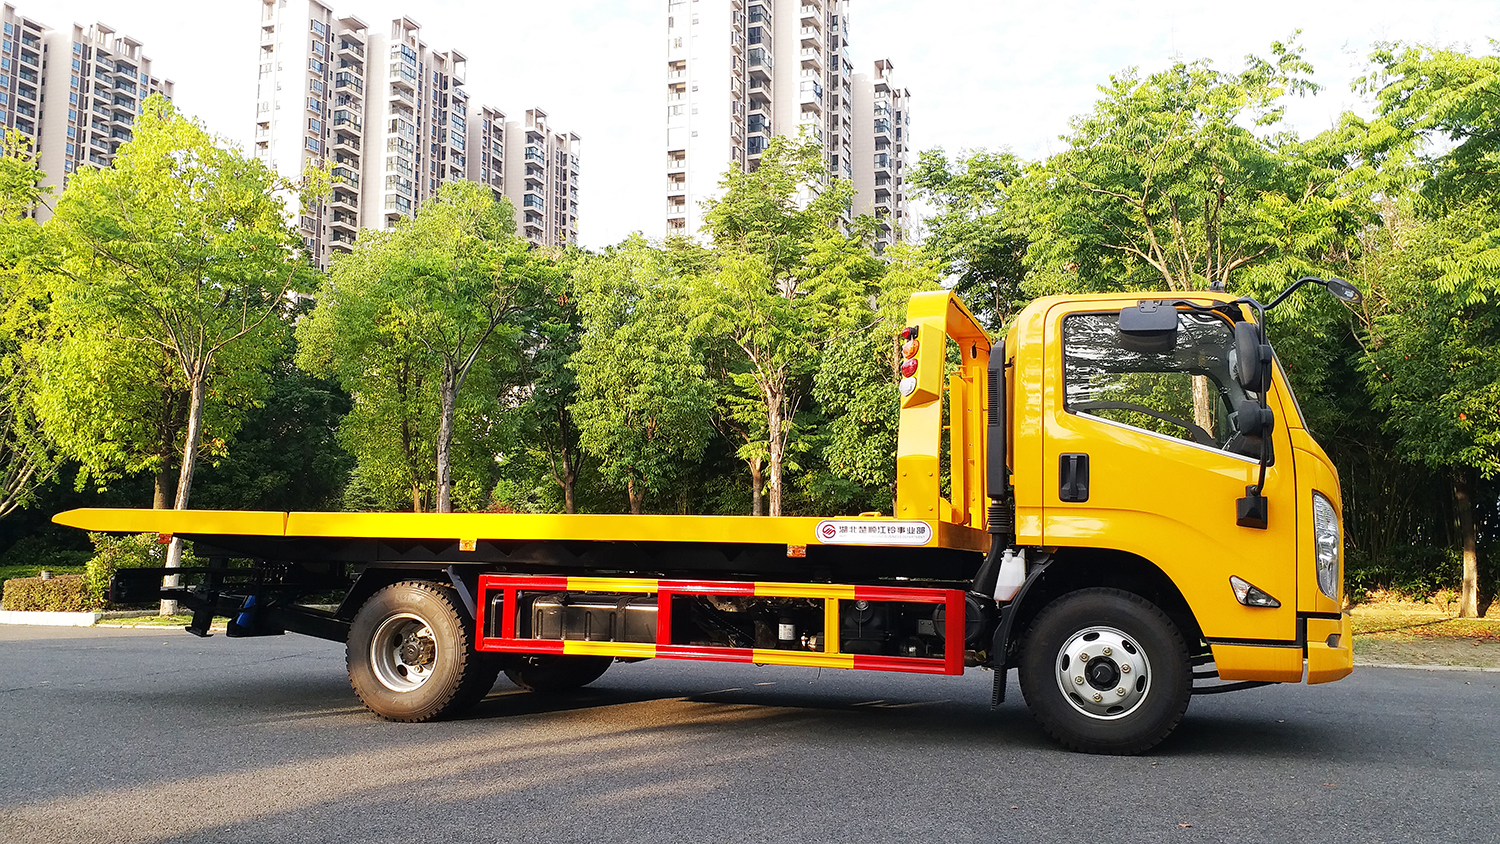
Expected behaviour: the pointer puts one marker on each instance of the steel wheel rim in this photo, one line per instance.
(1103, 673)
(403, 652)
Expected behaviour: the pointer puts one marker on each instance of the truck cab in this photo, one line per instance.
(1123, 440)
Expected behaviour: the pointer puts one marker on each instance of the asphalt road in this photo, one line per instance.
(136, 736)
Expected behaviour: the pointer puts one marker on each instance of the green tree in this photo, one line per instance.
(286, 454)
(181, 248)
(855, 385)
(407, 320)
(26, 254)
(1431, 329)
(643, 400)
(785, 264)
(1179, 180)
(1446, 105)
(551, 332)
(972, 231)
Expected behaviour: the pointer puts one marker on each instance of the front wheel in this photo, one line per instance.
(411, 654)
(1105, 671)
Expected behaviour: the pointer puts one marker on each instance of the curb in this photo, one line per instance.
(51, 619)
(1406, 667)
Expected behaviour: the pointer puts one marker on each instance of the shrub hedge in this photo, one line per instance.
(63, 593)
(112, 553)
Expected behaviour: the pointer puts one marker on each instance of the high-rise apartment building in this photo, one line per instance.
(883, 116)
(740, 72)
(75, 93)
(545, 175)
(392, 117)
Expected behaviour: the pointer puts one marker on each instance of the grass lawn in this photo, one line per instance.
(1409, 633)
(164, 621)
(8, 572)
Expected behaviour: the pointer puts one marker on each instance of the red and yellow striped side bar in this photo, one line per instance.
(664, 648)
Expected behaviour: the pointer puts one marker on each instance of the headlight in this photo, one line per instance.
(1326, 544)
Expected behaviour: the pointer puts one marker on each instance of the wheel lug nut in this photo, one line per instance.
(1078, 681)
(1120, 691)
(1098, 697)
(1083, 657)
(1108, 651)
(1125, 669)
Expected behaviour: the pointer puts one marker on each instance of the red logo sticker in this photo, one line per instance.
(828, 531)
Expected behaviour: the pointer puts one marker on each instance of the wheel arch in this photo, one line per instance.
(1070, 569)
(376, 577)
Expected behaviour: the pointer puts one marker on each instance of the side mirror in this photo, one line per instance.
(1150, 327)
(1252, 420)
(1345, 291)
(1247, 355)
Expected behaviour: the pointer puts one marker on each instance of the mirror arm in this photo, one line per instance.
(1296, 284)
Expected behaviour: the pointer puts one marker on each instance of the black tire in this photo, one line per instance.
(1124, 697)
(548, 673)
(411, 654)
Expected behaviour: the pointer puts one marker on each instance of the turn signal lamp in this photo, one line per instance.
(1250, 595)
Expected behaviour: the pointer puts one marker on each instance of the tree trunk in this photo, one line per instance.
(569, 479)
(188, 465)
(416, 497)
(1468, 599)
(757, 483)
(1203, 404)
(775, 447)
(637, 497)
(449, 393)
(162, 495)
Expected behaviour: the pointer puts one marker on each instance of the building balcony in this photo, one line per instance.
(351, 48)
(676, 164)
(676, 187)
(346, 142)
(812, 59)
(676, 209)
(346, 81)
(345, 200)
(345, 119)
(403, 76)
(760, 64)
(347, 176)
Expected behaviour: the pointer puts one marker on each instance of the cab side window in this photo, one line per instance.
(1186, 393)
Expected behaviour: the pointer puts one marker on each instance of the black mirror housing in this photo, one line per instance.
(1344, 291)
(1252, 420)
(1247, 355)
(1150, 327)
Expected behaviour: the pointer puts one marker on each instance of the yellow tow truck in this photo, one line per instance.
(1119, 499)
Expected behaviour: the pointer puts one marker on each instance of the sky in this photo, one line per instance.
(993, 75)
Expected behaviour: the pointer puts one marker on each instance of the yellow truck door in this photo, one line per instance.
(1140, 455)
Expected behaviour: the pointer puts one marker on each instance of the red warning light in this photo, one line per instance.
(908, 367)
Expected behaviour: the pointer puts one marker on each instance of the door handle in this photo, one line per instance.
(1073, 477)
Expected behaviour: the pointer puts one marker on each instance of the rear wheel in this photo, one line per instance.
(555, 672)
(411, 654)
(1105, 671)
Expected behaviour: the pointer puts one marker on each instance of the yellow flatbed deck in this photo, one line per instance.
(468, 527)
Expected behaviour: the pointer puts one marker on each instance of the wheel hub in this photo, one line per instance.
(1103, 673)
(417, 650)
(403, 652)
